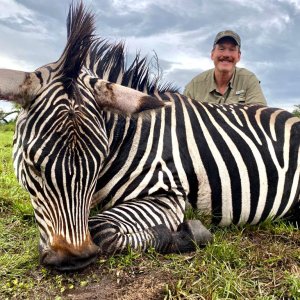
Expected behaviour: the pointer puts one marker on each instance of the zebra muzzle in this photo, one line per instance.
(66, 257)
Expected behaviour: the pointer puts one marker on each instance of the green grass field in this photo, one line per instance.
(261, 262)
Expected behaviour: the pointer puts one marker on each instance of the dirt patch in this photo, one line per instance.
(148, 285)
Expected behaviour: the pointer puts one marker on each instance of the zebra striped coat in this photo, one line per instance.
(94, 134)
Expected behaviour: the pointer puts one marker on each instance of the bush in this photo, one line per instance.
(296, 111)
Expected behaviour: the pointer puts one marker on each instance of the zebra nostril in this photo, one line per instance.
(48, 258)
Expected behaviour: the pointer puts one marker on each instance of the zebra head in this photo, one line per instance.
(60, 141)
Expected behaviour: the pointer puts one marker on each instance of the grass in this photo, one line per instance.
(261, 262)
(249, 264)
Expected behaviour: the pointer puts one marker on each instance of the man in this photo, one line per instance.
(226, 83)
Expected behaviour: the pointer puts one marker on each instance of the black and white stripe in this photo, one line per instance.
(240, 164)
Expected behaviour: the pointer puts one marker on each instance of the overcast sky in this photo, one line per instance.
(181, 32)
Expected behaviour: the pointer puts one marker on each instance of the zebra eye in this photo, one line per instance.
(37, 169)
(33, 158)
(34, 166)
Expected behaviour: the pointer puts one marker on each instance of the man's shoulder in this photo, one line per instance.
(198, 86)
(204, 76)
(244, 72)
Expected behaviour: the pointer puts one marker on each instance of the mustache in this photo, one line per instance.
(224, 58)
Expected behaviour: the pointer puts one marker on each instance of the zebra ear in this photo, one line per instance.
(121, 98)
(17, 86)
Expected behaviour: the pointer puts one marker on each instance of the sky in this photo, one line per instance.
(180, 32)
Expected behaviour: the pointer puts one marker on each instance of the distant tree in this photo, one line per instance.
(296, 111)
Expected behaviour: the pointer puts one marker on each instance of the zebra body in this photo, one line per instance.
(235, 167)
(94, 134)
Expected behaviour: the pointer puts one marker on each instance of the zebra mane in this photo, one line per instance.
(108, 61)
(103, 59)
(80, 33)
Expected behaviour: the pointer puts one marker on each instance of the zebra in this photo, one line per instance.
(93, 133)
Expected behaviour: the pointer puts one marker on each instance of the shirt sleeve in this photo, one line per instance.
(254, 93)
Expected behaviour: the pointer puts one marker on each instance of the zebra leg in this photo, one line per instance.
(151, 222)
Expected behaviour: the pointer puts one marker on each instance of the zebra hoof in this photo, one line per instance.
(189, 235)
(196, 231)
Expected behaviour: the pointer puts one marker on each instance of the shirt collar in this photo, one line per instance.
(213, 85)
(232, 79)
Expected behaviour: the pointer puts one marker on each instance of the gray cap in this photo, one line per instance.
(230, 34)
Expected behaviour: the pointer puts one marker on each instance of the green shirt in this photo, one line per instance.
(244, 87)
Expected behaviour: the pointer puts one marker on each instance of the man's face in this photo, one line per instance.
(225, 56)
